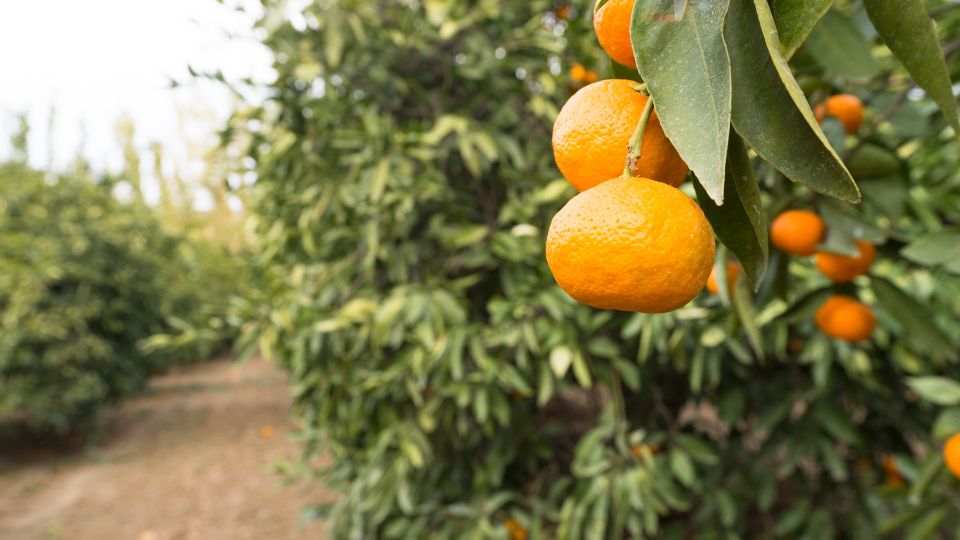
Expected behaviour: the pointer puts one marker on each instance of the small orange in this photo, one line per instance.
(631, 244)
(593, 130)
(514, 529)
(578, 73)
(894, 477)
(612, 25)
(733, 271)
(797, 232)
(844, 107)
(591, 77)
(842, 317)
(841, 268)
(639, 450)
(562, 12)
(951, 454)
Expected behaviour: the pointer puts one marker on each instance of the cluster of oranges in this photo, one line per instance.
(630, 240)
(799, 232)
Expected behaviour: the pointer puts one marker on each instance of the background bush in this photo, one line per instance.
(406, 183)
(84, 279)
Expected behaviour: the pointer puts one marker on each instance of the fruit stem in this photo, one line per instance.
(633, 150)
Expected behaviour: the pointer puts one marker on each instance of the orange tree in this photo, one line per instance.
(406, 186)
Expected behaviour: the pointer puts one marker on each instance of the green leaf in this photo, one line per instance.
(928, 472)
(939, 390)
(926, 527)
(560, 360)
(914, 318)
(934, 249)
(739, 223)
(743, 304)
(909, 32)
(843, 217)
(795, 19)
(873, 161)
(806, 305)
(682, 468)
(947, 423)
(770, 111)
(685, 65)
(837, 44)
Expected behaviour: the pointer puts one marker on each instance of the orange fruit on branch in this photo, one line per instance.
(842, 268)
(951, 454)
(844, 318)
(733, 271)
(593, 130)
(631, 244)
(612, 24)
(797, 232)
(846, 108)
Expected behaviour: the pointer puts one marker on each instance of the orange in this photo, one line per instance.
(578, 73)
(612, 24)
(841, 268)
(593, 130)
(797, 232)
(631, 244)
(894, 478)
(844, 107)
(842, 317)
(591, 76)
(641, 449)
(733, 270)
(951, 454)
(562, 12)
(514, 529)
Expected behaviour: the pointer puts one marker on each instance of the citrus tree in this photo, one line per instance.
(415, 226)
(84, 280)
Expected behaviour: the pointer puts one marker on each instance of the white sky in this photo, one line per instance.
(96, 60)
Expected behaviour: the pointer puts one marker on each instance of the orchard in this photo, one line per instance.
(615, 269)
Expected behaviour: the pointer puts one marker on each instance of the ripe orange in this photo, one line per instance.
(842, 269)
(514, 529)
(578, 73)
(631, 244)
(951, 454)
(612, 24)
(797, 232)
(893, 475)
(593, 130)
(733, 271)
(842, 317)
(844, 107)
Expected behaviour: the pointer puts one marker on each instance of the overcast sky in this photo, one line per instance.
(96, 60)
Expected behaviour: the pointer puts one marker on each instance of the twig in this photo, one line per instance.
(892, 110)
(636, 141)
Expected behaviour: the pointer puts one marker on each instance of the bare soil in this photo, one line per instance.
(191, 459)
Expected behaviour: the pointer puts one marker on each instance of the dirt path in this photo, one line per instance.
(189, 460)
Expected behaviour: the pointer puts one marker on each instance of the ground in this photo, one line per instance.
(191, 459)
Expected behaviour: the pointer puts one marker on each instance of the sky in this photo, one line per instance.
(94, 61)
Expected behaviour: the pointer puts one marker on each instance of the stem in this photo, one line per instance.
(633, 150)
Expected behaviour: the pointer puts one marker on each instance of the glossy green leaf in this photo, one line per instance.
(873, 161)
(939, 390)
(796, 19)
(934, 249)
(770, 111)
(685, 65)
(739, 223)
(746, 313)
(909, 32)
(840, 48)
(914, 317)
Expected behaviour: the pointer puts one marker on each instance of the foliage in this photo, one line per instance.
(405, 185)
(83, 279)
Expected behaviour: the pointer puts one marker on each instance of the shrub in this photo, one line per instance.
(84, 279)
